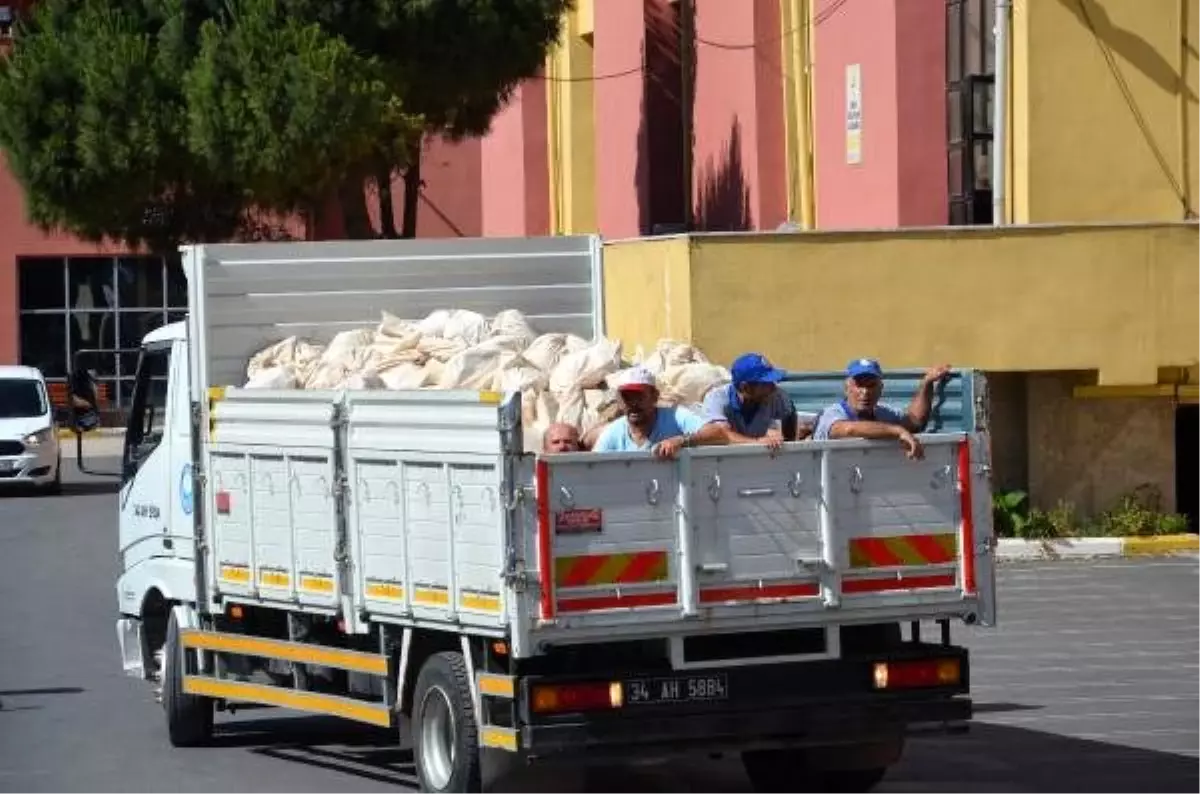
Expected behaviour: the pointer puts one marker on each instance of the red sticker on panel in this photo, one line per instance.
(575, 522)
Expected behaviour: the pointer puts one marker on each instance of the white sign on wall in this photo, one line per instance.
(853, 114)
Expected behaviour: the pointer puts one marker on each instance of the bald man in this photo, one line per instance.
(560, 437)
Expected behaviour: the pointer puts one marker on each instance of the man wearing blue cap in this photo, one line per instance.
(860, 415)
(753, 408)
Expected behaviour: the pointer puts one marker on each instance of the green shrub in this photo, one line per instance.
(1137, 513)
(1010, 512)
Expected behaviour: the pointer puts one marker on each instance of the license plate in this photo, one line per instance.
(677, 689)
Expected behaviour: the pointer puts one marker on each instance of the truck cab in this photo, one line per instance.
(156, 546)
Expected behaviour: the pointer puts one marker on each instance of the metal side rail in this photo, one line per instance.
(214, 686)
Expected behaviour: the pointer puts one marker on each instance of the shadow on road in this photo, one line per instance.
(53, 690)
(359, 750)
(89, 487)
(1009, 758)
(989, 758)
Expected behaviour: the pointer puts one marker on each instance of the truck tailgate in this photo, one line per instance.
(820, 533)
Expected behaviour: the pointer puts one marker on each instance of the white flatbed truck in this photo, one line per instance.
(388, 556)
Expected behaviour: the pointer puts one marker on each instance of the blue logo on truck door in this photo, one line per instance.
(185, 489)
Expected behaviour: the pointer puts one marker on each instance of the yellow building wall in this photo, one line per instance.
(1120, 300)
(1104, 110)
(647, 291)
(571, 144)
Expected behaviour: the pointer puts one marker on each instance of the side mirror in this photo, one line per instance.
(83, 411)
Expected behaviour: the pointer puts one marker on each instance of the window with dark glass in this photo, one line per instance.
(970, 83)
(148, 414)
(85, 311)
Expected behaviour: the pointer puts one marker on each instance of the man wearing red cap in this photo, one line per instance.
(646, 425)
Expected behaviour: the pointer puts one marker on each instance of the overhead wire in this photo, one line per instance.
(802, 28)
(1131, 103)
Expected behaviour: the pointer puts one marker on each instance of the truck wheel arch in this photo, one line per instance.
(424, 644)
(154, 614)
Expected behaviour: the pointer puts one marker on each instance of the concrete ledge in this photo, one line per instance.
(1092, 548)
(64, 433)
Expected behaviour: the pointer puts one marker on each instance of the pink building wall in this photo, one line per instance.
(900, 48)
(921, 84)
(622, 175)
(451, 201)
(739, 171)
(19, 238)
(515, 178)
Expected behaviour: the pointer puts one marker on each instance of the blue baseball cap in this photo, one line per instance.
(754, 368)
(864, 366)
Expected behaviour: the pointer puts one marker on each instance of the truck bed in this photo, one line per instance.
(420, 508)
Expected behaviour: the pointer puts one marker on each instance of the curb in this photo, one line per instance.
(1096, 548)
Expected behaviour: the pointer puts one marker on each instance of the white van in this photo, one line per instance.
(29, 452)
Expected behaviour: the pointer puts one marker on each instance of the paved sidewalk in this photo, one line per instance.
(95, 445)
(1010, 549)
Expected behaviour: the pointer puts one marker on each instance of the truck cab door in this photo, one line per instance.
(146, 509)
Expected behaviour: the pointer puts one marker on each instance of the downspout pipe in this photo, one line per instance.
(1000, 114)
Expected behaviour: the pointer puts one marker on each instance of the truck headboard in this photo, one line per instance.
(243, 297)
(954, 400)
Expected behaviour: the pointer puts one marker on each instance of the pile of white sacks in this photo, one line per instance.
(562, 377)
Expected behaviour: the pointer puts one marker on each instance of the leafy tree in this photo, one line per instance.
(92, 125)
(290, 107)
(458, 62)
(154, 122)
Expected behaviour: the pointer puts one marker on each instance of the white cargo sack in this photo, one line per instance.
(545, 351)
(282, 377)
(365, 381)
(586, 368)
(467, 327)
(517, 374)
(434, 324)
(403, 376)
(474, 368)
(392, 327)
(348, 348)
(302, 356)
(511, 322)
(439, 348)
(668, 353)
(686, 384)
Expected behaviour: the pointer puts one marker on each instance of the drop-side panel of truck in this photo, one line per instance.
(446, 523)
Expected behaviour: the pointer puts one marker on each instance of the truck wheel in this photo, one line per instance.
(786, 770)
(445, 734)
(189, 718)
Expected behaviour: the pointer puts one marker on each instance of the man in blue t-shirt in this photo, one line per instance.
(753, 408)
(860, 415)
(646, 425)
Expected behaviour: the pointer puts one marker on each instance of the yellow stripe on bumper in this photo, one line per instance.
(356, 661)
(239, 691)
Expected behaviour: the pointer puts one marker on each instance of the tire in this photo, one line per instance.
(445, 733)
(189, 717)
(786, 770)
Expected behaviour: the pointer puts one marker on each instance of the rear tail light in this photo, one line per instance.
(915, 674)
(594, 696)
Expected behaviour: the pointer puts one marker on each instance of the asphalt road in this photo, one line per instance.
(1090, 684)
